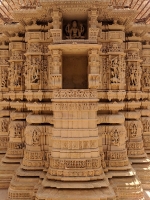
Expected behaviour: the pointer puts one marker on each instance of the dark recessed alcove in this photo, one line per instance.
(75, 72)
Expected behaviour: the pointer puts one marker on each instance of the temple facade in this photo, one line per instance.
(74, 102)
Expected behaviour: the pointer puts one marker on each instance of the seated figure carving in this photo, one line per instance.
(74, 30)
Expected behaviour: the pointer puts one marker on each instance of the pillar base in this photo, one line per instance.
(128, 188)
(75, 194)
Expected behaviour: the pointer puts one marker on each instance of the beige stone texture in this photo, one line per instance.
(74, 103)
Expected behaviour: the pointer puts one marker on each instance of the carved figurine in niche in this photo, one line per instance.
(134, 75)
(146, 126)
(4, 76)
(35, 71)
(4, 126)
(133, 130)
(35, 137)
(115, 139)
(115, 70)
(146, 78)
(17, 130)
(44, 72)
(17, 75)
(74, 30)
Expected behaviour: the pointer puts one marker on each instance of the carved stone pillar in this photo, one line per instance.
(33, 71)
(14, 153)
(94, 77)
(133, 71)
(111, 119)
(135, 145)
(55, 69)
(16, 69)
(4, 64)
(56, 31)
(75, 161)
(4, 113)
(4, 123)
(36, 72)
(113, 58)
(116, 63)
(145, 119)
(36, 152)
(113, 136)
(93, 25)
(6, 169)
(145, 82)
(134, 132)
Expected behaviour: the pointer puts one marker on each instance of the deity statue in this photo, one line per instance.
(146, 126)
(115, 138)
(35, 72)
(17, 76)
(115, 71)
(75, 31)
(146, 78)
(35, 137)
(133, 130)
(133, 75)
(17, 130)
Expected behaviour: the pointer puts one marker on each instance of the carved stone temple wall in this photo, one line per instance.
(75, 103)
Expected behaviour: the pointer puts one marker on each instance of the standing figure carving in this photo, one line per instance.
(35, 137)
(35, 71)
(115, 71)
(133, 130)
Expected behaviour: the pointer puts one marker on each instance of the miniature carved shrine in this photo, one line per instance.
(75, 101)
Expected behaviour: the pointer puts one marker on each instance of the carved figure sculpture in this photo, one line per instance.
(17, 130)
(35, 71)
(146, 126)
(133, 75)
(115, 139)
(133, 130)
(75, 31)
(146, 78)
(35, 137)
(17, 76)
(115, 71)
(4, 75)
(4, 126)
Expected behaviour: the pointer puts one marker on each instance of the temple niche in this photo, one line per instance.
(75, 30)
(74, 101)
(75, 72)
